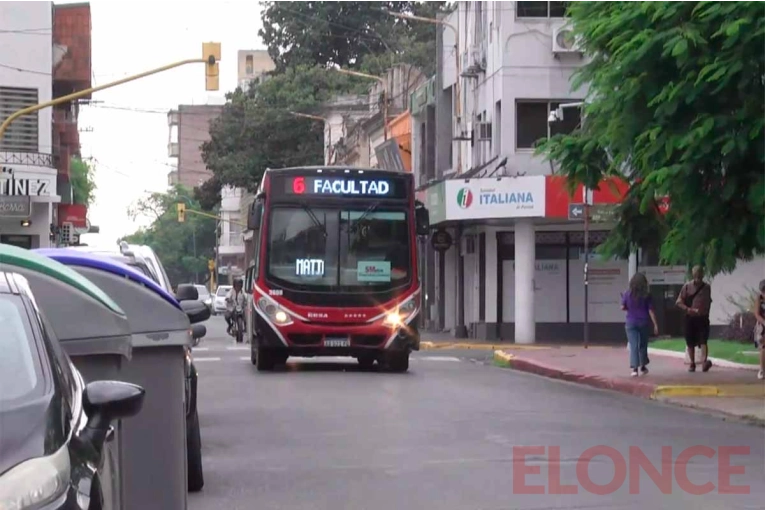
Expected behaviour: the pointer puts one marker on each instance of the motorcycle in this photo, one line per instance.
(238, 327)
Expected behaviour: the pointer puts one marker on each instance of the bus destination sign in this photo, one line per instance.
(345, 186)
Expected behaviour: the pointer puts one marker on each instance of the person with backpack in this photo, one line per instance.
(695, 299)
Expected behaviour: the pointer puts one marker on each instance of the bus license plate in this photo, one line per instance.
(337, 341)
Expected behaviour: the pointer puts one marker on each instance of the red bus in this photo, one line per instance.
(335, 269)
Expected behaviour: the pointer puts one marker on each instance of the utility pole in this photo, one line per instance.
(210, 57)
(457, 69)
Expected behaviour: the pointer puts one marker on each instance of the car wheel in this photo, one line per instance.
(264, 360)
(398, 361)
(366, 361)
(194, 455)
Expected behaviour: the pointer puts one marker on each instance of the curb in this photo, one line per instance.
(746, 418)
(479, 346)
(636, 388)
(631, 387)
(715, 361)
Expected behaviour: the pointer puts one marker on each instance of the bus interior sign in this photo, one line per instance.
(346, 186)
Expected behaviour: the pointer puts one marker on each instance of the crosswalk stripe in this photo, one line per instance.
(237, 348)
(206, 359)
(439, 358)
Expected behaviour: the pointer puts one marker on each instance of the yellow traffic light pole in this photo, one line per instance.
(210, 57)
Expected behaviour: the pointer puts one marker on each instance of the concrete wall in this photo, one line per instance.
(32, 53)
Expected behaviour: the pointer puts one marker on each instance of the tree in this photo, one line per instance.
(82, 179)
(342, 33)
(184, 248)
(675, 105)
(256, 129)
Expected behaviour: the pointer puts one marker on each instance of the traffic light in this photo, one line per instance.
(181, 212)
(211, 55)
(211, 264)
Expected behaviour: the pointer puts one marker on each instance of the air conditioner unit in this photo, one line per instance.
(479, 57)
(173, 150)
(564, 40)
(173, 118)
(483, 131)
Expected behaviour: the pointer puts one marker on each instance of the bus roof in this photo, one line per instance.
(335, 169)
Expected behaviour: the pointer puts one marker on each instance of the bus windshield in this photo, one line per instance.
(339, 249)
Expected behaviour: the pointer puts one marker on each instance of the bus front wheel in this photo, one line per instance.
(398, 361)
(264, 360)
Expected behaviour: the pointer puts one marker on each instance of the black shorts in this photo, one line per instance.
(696, 331)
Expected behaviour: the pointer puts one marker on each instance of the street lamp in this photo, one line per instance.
(384, 91)
(557, 116)
(457, 87)
(326, 123)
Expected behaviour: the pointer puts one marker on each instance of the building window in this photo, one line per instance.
(532, 123)
(249, 65)
(541, 9)
(22, 135)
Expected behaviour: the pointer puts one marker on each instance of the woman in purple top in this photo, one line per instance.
(638, 304)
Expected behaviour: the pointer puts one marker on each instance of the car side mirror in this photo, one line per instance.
(196, 311)
(255, 214)
(421, 219)
(186, 292)
(107, 401)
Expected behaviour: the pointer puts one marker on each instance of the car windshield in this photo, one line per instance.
(19, 374)
(222, 291)
(350, 250)
(202, 291)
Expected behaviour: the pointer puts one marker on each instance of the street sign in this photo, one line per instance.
(599, 213)
(576, 211)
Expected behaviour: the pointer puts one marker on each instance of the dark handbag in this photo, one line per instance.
(688, 301)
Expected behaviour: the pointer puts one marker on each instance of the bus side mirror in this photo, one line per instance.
(422, 219)
(255, 215)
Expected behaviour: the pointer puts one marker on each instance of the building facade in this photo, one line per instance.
(28, 176)
(252, 67)
(189, 129)
(516, 267)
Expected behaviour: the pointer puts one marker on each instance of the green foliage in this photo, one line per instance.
(676, 94)
(183, 248)
(341, 33)
(82, 179)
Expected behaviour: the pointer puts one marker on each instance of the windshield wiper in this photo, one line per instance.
(315, 220)
(361, 218)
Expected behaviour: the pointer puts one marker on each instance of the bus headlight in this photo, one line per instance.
(399, 316)
(274, 312)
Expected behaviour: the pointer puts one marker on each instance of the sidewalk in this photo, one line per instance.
(729, 391)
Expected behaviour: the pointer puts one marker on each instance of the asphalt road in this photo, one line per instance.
(326, 435)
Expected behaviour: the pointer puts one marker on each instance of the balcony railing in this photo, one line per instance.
(27, 158)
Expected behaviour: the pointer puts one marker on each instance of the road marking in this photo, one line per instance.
(206, 359)
(198, 349)
(439, 358)
(237, 348)
(243, 358)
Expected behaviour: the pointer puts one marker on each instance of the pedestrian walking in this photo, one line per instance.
(759, 328)
(695, 299)
(638, 304)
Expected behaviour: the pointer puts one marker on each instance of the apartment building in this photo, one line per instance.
(28, 176)
(189, 129)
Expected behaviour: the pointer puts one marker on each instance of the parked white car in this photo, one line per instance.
(219, 303)
(204, 296)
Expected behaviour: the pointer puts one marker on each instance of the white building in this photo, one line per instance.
(28, 190)
(515, 269)
(252, 66)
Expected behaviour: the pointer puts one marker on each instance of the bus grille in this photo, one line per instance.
(367, 340)
(305, 339)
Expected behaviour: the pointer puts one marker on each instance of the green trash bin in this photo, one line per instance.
(93, 330)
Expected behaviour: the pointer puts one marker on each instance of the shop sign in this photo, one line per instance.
(29, 184)
(664, 275)
(15, 207)
(507, 197)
